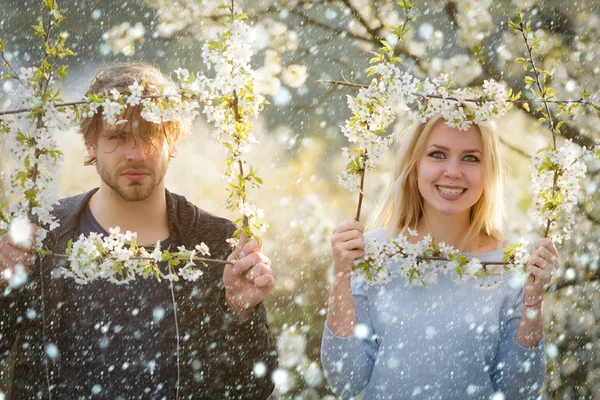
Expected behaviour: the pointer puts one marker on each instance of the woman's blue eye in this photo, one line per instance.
(437, 154)
(471, 159)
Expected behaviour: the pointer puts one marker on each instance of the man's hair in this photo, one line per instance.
(120, 77)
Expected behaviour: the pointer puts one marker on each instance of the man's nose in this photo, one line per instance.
(137, 150)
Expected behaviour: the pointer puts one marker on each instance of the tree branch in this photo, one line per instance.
(491, 70)
(375, 33)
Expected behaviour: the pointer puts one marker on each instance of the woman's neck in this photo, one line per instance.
(450, 229)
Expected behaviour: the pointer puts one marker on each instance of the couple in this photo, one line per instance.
(105, 341)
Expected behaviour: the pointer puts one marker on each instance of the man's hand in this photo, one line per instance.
(14, 253)
(249, 279)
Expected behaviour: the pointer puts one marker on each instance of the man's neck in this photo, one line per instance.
(147, 217)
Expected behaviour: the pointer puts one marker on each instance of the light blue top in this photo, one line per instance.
(440, 341)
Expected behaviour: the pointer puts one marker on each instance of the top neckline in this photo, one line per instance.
(501, 250)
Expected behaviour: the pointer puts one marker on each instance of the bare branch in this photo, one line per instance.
(514, 148)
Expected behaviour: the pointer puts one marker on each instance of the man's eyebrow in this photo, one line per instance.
(447, 149)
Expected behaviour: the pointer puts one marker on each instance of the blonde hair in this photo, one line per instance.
(120, 77)
(402, 204)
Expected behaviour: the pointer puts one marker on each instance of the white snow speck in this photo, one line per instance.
(260, 369)
(52, 351)
(361, 331)
(497, 396)
(158, 314)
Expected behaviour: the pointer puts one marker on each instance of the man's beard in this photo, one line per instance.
(133, 191)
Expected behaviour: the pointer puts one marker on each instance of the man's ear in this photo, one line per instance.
(91, 150)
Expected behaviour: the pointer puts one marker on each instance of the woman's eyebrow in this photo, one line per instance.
(447, 149)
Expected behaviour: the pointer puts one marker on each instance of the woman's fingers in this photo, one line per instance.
(548, 244)
(541, 275)
(349, 226)
(345, 236)
(547, 256)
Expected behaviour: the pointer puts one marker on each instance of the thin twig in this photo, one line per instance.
(514, 148)
(374, 32)
(467, 100)
(178, 344)
(334, 30)
(238, 118)
(362, 184)
(7, 63)
(483, 263)
(80, 102)
(199, 259)
(549, 115)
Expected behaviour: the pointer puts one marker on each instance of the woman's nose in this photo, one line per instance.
(453, 169)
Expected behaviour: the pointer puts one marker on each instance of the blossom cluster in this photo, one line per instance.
(118, 259)
(556, 175)
(374, 109)
(421, 263)
(169, 105)
(230, 101)
(29, 142)
(372, 114)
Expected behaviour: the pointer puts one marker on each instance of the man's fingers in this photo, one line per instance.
(243, 264)
(12, 255)
(250, 247)
(5, 263)
(258, 270)
(265, 282)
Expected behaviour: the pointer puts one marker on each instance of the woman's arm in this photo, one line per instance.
(347, 359)
(347, 244)
(518, 369)
(541, 266)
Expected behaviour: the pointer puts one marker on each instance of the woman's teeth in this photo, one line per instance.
(449, 191)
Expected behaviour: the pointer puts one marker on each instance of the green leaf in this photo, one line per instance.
(386, 44)
(529, 80)
(526, 107)
(39, 28)
(513, 26)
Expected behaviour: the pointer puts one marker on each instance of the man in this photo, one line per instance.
(103, 340)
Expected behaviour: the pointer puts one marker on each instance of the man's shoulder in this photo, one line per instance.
(188, 211)
(195, 223)
(70, 207)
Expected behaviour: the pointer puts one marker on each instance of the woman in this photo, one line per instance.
(439, 341)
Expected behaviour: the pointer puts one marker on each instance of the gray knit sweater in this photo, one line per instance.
(218, 353)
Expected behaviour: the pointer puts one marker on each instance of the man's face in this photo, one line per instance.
(130, 167)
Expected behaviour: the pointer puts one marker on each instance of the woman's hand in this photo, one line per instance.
(347, 246)
(541, 266)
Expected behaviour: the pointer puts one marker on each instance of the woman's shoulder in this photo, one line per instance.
(378, 234)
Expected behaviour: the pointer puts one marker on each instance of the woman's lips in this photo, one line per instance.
(450, 193)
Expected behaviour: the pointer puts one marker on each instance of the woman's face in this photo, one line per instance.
(450, 170)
